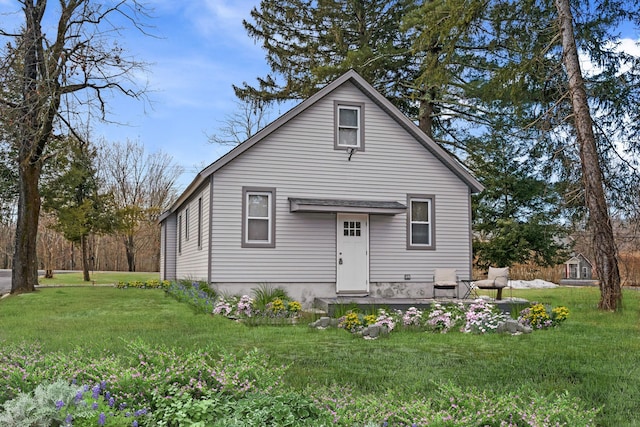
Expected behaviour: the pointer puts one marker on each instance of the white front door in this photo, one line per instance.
(352, 253)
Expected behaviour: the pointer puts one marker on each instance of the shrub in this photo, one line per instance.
(149, 284)
(198, 294)
(482, 317)
(294, 307)
(412, 317)
(265, 294)
(385, 320)
(40, 407)
(287, 409)
(121, 390)
(246, 308)
(351, 322)
(541, 316)
(452, 406)
(443, 318)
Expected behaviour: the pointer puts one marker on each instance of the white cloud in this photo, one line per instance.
(221, 19)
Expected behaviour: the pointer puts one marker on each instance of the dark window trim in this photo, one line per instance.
(199, 223)
(272, 192)
(336, 123)
(432, 216)
(179, 234)
(186, 224)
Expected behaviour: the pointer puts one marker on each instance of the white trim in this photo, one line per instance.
(428, 222)
(346, 127)
(352, 255)
(269, 218)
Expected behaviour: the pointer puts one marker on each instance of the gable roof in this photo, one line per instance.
(577, 258)
(350, 76)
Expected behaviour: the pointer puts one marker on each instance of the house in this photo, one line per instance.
(342, 195)
(578, 271)
(578, 267)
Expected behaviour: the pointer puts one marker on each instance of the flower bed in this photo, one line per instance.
(149, 284)
(151, 387)
(479, 317)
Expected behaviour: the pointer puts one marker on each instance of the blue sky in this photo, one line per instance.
(199, 50)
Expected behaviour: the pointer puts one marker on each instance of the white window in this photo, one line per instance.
(349, 126)
(258, 225)
(420, 222)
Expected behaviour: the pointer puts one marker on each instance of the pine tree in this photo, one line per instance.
(75, 197)
(310, 43)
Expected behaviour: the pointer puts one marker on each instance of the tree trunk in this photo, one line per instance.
(604, 246)
(24, 273)
(85, 259)
(129, 244)
(425, 118)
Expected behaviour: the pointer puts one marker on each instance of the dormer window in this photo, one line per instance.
(349, 123)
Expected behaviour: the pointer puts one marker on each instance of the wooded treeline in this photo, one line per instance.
(132, 187)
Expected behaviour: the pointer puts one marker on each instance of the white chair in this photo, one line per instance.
(498, 279)
(445, 278)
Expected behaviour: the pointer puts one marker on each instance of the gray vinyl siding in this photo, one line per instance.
(168, 249)
(299, 160)
(193, 259)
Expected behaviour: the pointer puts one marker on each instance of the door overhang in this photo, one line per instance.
(346, 206)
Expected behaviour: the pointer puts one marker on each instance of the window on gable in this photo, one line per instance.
(420, 222)
(349, 126)
(258, 225)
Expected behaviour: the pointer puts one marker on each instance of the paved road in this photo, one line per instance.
(5, 281)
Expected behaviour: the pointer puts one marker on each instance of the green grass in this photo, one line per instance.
(594, 355)
(97, 278)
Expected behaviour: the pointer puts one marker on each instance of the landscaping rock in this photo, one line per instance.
(372, 331)
(323, 322)
(512, 326)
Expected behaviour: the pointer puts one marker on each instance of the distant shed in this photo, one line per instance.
(578, 271)
(578, 267)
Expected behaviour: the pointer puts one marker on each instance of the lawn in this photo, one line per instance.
(594, 356)
(68, 278)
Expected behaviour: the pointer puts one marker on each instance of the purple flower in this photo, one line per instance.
(59, 404)
(102, 419)
(79, 396)
(139, 412)
(69, 419)
(134, 423)
(95, 392)
(94, 405)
